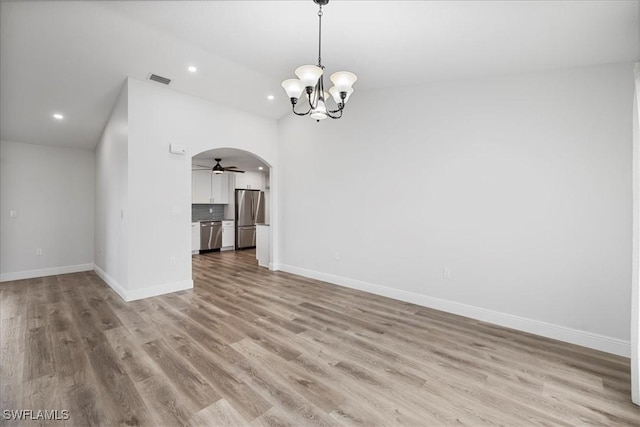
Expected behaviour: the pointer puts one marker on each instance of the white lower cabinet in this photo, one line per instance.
(228, 235)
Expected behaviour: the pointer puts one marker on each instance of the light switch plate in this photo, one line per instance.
(177, 149)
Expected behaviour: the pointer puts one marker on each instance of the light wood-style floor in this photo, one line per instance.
(252, 347)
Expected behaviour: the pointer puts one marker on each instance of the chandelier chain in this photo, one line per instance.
(320, 37)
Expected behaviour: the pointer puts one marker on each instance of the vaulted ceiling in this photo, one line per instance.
(72, 57)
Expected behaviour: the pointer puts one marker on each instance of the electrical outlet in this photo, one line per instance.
(446, 273)
(13, 213)
(210, 210)
(39, 251)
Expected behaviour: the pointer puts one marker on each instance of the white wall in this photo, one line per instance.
(520, 185)
(635, 284)
(159, 183)
(51, 190)
(111, 189)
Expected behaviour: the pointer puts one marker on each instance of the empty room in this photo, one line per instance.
(314, 212)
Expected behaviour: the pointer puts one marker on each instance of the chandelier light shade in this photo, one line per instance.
(309, 75)
(293, 87)
(343, 80)
(310, 81)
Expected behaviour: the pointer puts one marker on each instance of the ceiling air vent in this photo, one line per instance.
(159, 79)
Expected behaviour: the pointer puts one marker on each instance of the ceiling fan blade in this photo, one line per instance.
(230, 167)
(234, 170)
(203, 166)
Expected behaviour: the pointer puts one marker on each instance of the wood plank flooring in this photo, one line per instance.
(249, 347)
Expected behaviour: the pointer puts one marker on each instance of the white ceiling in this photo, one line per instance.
(73, 56)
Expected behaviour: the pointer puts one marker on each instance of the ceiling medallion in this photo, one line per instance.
(310, 80)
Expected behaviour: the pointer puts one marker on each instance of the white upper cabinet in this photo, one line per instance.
(209, 188)
(220, 188)
(201, 186)
(250, 180)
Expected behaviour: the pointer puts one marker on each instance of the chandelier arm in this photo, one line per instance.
(314, 92)
(340, 108)
(293, 108)
(329, 114)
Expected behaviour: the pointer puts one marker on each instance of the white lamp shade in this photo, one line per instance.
(320, 112)
(293, 87)
(335, 93)
(343, 80)
(309, 75)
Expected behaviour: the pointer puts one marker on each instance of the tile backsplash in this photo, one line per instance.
(201, 212)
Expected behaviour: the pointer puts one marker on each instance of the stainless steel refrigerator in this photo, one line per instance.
(249, 212)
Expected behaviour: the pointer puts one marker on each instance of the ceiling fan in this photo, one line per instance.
(217, 169)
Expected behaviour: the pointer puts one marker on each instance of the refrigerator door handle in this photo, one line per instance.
(253, 212)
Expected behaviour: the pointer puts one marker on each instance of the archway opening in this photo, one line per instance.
(231, 203)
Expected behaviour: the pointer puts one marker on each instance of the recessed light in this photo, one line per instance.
(270, 97)
(192, 69)
(260, 168)
(58, 116)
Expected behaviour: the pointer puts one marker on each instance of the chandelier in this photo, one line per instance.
(310, 80)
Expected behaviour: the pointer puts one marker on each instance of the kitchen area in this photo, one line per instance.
(230, 203)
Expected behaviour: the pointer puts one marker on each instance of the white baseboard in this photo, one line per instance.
(30, 274)
(136, 294)
(113, 283)
(165, 288)
(561, 333)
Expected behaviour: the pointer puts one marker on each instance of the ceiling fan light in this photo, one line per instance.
(293, 87)
(343, 80)
(335, 93)
(217, 171)
(309, 75)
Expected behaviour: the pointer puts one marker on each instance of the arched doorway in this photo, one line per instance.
(233, 175)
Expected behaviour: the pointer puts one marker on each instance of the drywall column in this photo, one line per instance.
(111, 245)
(635, 281)
(159, 182)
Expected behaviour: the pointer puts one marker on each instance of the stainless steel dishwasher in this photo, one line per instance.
(210, 235)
